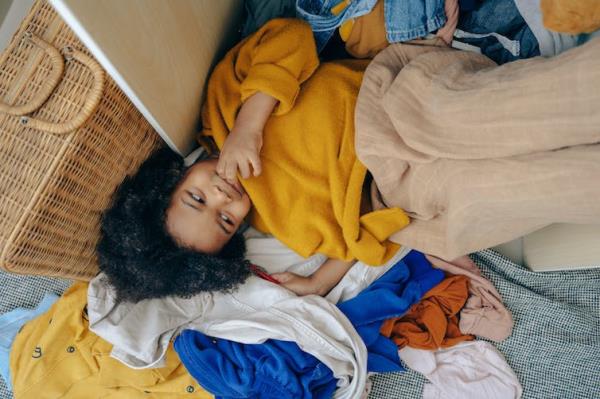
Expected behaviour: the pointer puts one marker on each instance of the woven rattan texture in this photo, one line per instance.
(55, 187)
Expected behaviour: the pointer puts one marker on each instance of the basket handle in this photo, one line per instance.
(91, 102)
(58, 66)
(88, 108)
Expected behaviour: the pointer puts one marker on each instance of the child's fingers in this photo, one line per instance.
(230, 171)
(221, 166)
(256, 164)
(244, 169)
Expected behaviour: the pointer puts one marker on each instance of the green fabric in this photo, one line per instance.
(555, 345)
(259, 12)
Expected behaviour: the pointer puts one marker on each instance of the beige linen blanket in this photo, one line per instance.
(480, 154)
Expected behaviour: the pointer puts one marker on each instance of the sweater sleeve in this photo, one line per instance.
(276, 60)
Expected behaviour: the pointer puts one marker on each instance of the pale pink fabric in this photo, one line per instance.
(479, 154)
(446, 32)
(469, 370)
(484, 314)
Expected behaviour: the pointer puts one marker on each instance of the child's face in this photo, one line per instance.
(205, 210)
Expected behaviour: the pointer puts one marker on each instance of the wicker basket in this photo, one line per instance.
(68, 136)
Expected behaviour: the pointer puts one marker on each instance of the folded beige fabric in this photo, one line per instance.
(479, 154)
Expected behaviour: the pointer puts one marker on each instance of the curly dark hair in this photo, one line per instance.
(140, 258)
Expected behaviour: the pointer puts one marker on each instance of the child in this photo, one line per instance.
(175, 231)
(285, 125)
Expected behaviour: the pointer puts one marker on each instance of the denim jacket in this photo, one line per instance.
(404, 19)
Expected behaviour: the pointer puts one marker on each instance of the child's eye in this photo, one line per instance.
(197, 198)
(226, 219)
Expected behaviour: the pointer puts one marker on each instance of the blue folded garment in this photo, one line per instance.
(389, 296)
(275, 369)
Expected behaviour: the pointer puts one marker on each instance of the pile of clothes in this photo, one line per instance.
(503, 30)
(263, 341)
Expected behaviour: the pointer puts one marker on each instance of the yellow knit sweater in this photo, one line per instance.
(308, 195)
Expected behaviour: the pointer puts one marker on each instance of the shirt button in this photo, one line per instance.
(190, 389)
(71, 349)
(37, 353)
(214, 341)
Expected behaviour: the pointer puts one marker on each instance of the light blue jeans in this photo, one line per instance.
(404, 19)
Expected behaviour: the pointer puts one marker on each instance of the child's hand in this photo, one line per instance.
(241, 151)
(298, 284)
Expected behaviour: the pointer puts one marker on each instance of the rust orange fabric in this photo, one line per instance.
(433, 322)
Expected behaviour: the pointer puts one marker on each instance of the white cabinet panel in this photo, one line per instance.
(158, 51)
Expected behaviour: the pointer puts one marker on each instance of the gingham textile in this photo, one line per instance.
(555, 345)
(18, 291)
(554, 348)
